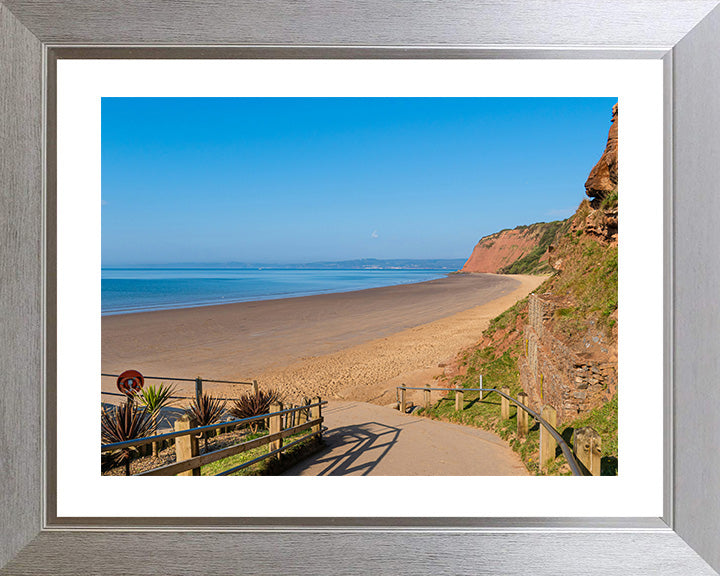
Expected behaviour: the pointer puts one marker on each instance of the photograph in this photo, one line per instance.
(359, 286)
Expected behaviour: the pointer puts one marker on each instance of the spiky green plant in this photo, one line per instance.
(121, 423)
(206, 410)
(251, 404)
(155, 399)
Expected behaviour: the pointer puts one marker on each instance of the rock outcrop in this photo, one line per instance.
(603, 178)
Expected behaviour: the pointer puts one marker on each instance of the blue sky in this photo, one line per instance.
(287, 180)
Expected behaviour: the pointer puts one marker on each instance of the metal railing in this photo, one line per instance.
(315, 425)
(566, 450)
(198, 385)
(185, 379)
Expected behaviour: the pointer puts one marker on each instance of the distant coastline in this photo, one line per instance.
(135, 290)
(450, 264)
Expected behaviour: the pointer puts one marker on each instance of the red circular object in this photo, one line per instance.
(130, 382)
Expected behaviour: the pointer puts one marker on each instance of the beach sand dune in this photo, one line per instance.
(354, 345)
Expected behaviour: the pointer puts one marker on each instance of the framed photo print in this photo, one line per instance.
(409, 289)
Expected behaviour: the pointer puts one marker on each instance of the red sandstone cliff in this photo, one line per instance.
(603, 178)
(517, 251)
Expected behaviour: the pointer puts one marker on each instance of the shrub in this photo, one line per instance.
(206, 410)
(155, 399)
(121, 423)
(251, 404)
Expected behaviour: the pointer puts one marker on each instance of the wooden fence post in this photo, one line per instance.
(587, 446)
(547, 442)
(426, 393)
(403, 405)
(186, 447)
(480, 385)
(522, 416)
(316, 414)
(302, 414)
(275, 426)
(505, 404)
(255, 387)
(459, 400)
(198, 389)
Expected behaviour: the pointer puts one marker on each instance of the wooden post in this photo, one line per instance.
(426, 393)
(275, 426)
(302, 414)
(505, 404)
(198, 389)
(155, 447)
(547, 442)
(480, 385)
(403, 405)
(459, 400)
(255, 387)
(186, 446)
(522, 416)
(587, 446)
(316, 414)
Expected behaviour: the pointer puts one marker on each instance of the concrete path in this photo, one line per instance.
(365, 439)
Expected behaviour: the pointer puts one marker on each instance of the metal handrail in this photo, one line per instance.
(184, 379)
(268, 455)
(173, 397)
(567, 452)
(168, 435)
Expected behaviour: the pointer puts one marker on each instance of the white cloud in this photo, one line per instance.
(374, 234)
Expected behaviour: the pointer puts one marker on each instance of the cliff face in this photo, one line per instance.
(603, 178)
(570, 337)
(563, 338)
(521, 250)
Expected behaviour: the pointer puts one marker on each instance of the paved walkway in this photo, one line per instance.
(365, 439)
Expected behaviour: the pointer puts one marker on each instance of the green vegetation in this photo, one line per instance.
(206, 410)
(508, 318)
(269, 465)
(530, 263)
(498, 370)
(254, 404)
(590, 278)
(155, 398)
(121, 423)
(610, 202)
(604, 420)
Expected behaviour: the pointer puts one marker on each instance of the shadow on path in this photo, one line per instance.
(361, 446)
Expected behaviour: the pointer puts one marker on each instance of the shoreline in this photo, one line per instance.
(320, 344)
(440, 273)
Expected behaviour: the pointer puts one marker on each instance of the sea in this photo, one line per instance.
(129, 290)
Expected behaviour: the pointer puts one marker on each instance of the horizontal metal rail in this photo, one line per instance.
(265, 456)
(200, 429)
(184, 379)
(172, 397)
(567, 452)
(210, 457)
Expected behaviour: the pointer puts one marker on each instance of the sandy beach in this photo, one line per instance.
(354, 345)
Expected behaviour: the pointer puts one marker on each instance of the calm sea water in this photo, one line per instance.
(141, 290)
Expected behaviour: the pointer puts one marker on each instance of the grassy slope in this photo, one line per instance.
(588, 284)
(530, 263)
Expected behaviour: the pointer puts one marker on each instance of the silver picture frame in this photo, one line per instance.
(685, 34)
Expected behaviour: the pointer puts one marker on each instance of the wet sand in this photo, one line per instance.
(354, 345)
